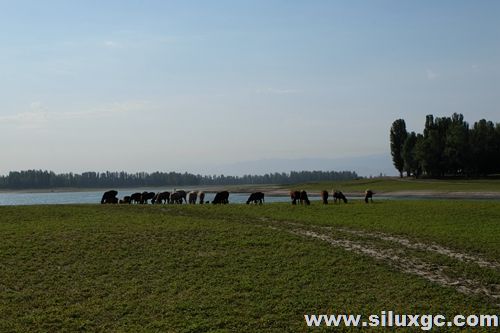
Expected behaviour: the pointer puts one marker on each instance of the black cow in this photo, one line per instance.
(126, 200)
(369, 195)
(201, 196)
(338, 195)
(145, 196)
(109, 197)
(178, 197)
(161, 197)
(136, 197)
(324, 196)
(256, 197)
(221, 198)
(304, 199)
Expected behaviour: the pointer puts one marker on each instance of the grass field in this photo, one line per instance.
(241, 268)
(389, 185)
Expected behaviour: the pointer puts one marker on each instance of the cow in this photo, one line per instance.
(145, 196)
(369, 195)
(126, 200)
(192, 196)
(109, 197)
(294, 195)
(338, 195)
(178, 196)
(304, 198)
(161, 197)
(136, 197)
(201, 195)
(256, 197)
(221, 198)
(324, 196)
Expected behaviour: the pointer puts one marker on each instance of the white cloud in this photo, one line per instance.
(36, 106)
(38, 116)
(112, 44)
(27, 120)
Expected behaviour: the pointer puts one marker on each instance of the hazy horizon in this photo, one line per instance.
(205, 86)
(365, 166)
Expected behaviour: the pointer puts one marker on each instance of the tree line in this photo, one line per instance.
(448, 146)
(43, 179)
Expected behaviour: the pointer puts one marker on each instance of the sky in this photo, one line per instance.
(195, 85)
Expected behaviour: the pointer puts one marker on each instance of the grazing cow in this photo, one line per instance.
(294, 195)
(136, 197)
(256, 197)
(192, 196)
(145, 196)
(324, 196)
(126, 200)
(201, 195)
(338, 195)
(161, 197)
(109, 197)
(221, 198)
(179, 197)
(368, 195)
(176, 198)
(304, 199)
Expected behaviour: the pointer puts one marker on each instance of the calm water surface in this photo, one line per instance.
(93, 197)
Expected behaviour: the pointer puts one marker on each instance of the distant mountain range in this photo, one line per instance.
(372, 165)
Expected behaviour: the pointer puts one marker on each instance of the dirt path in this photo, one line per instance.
(396, 257)
(415, 245)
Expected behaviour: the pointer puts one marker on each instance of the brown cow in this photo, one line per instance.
(338, 195)
(294, 195)
(324, 196)
(369, 195)
(192, 196)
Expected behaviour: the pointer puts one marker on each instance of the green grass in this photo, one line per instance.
(229, 268)
(405, 184)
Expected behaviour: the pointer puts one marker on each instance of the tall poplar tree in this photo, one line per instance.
(398, 136)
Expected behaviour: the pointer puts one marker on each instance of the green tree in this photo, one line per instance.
(456, 150)
(411, 165)
(483, 146)
(398, 136)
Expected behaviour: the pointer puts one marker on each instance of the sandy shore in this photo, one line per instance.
(406, 194)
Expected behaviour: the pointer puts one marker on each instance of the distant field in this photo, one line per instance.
(396, 184)
(240, 268)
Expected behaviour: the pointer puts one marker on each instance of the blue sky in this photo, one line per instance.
(190, 85)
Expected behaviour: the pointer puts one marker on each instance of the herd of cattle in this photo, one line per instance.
(179, 197)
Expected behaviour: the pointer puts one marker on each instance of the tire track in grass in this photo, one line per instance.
(394, 257)
(415, 245)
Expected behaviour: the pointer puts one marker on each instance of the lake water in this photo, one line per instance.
(93, 197)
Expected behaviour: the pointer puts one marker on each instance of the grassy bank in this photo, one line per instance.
(241, 268)
(388, 185)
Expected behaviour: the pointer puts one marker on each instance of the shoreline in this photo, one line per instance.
(273, 190)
